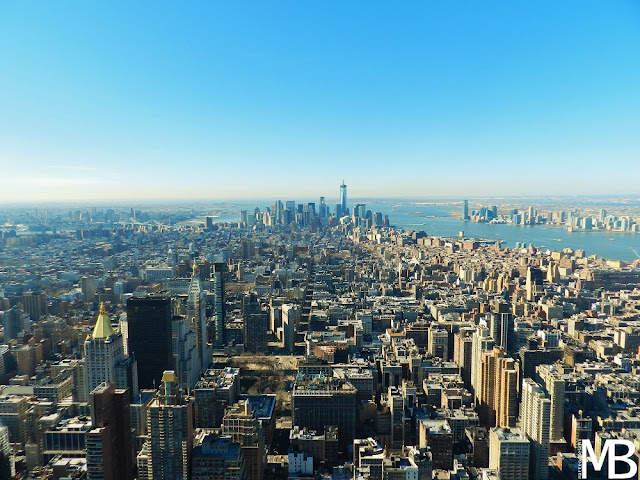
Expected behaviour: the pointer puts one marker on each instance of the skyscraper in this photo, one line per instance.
(105, 361)
(535, 280)
(501, 325)
(12, 322)
(481, 343)
(322, 210)
(555, 386)
(196, 311)
(462, 352)
(167, 455)
(243, 427)
(256, 324)
(35, 304)
(88, 288)
(219, 269)
(343, 200)
(150, 335)
(290, 320)
(465, 210)
(110, 449)
(498, 386)
(395, 401)
(535, 416)
(186, 360)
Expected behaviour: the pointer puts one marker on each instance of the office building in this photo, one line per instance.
(88, 288)
(439, 342)
(104, 358)
(186, 358)
(218, 279)
(110, 446)
(397, 467)
(438, 437)
(319, 401)
(13, 322)
(68, 437)
(217, 390)
(242, 426)
(395, 401)
(481, 342)
(509, 453)
(150, 337)
(308, 441)
(290, 321)
(498, 389)
(534, 285)
(197, 315)
(34, 304)
(13, 414)
(217, 458)
(478, 440)
(555, 386)
(462, 353)
(344, 210)
(256, 325)
(170, 428)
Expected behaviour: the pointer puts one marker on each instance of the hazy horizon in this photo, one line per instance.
(586, 200)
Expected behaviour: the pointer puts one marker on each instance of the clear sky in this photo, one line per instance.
(139, 99)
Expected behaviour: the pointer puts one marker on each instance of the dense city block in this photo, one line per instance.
(307, 340)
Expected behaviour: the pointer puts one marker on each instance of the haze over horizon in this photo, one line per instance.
(150, 100)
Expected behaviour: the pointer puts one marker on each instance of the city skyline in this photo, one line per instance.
(319, 240)
(418, 100)
(310, 340)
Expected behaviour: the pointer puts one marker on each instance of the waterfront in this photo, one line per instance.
(442, 220)
(438, 220)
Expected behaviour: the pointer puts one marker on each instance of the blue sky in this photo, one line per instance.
(246, 99)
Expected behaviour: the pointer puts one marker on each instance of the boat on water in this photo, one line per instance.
(612, 239)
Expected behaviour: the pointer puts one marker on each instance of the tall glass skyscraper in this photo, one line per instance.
(343, 199)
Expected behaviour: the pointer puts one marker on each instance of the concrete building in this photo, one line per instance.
(217, 458)
(535, 419)
(555, 386)
(217, 390)
(439, 342)
(242, 426)
(509, 453)
(399, 468)
(290, 320)
(498, 388)
(186, 357)
(320, 401)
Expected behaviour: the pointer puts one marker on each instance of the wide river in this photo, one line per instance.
(442, 221)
